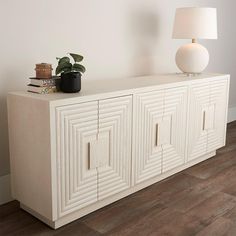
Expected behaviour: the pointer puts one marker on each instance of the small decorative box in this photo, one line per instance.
(43, 71)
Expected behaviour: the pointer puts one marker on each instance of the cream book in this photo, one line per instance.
(41, 90)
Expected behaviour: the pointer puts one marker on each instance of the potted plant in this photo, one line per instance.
(70, 73)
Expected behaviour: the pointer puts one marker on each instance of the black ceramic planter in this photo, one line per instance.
(70, 82)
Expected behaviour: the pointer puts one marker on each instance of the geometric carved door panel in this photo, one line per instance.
(115, 125)
(148, 110)
(159, 131)
(174, 130)
(216, 124)
(198, 107)
(77, 126)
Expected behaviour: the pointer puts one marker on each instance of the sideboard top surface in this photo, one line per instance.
(96, 87)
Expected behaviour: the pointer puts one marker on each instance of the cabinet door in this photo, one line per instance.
(76, 128)
(114, 153)
(216, 114)
(174, 127)
(148, 113)
(197, 133)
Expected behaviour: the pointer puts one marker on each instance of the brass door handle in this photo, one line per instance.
(204, 121)
(157, 134)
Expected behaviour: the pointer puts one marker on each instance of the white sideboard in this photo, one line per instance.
(74, 153)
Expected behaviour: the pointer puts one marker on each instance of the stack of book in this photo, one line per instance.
(44, 82)
(43, 86)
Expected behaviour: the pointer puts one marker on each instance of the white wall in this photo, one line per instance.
(119, 38)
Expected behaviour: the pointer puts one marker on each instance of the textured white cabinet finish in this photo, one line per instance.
(147, 140)
(76, 130)
(208, 105)
(74, 153)
(199, 101)
(93, 151)
(114, 171)
(174, 119)
(160, 133)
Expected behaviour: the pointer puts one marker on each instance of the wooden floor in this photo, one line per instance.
(198, 201)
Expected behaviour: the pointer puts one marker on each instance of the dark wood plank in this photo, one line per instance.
(138, 203)
(219, 227)
(213, 208)
(9, 208)
(113, 217)
(213, 166)
(16, 221)
(231, 214)
(187, 199)
(164, 191)
(37, 228)
(75, 228)
(191, 197)
(218, 182)
(230, 188)
(155, 222)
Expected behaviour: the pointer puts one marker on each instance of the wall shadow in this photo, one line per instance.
(143, 35)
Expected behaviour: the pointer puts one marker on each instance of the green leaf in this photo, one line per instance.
(63, 67)
(78, 67)
(77, 57)
(64, 60)
(67, 70)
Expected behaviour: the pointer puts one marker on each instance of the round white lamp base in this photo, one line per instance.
(192, 58)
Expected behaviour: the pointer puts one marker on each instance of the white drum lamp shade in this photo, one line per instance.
(194, 23)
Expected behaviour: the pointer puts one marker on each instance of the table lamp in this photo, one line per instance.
(194, 23)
